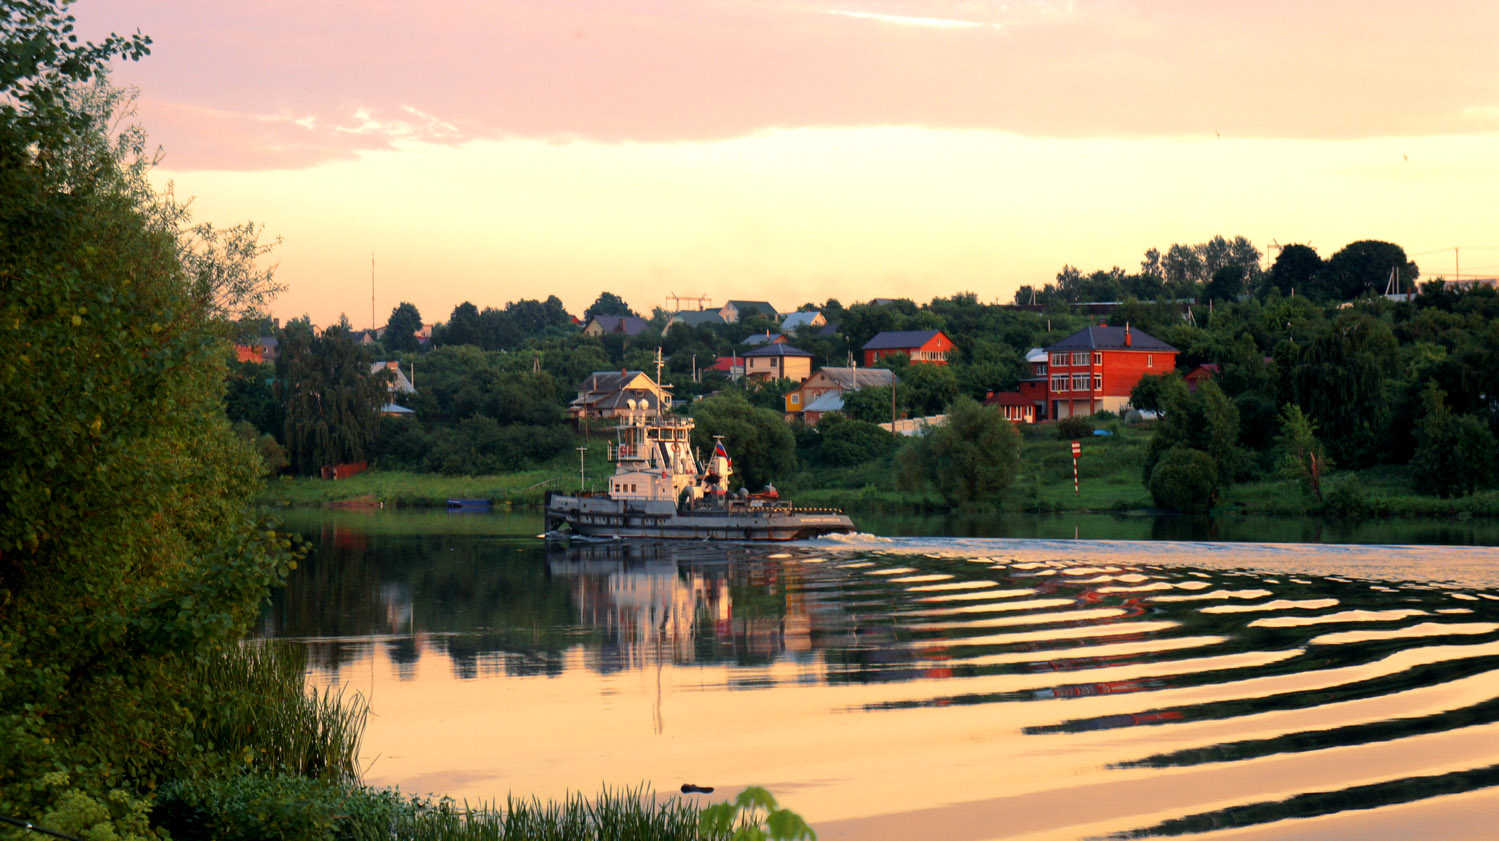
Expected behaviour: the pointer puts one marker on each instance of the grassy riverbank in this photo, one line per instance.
(1108, 480)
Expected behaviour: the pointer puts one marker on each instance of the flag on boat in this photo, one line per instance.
(720, 452)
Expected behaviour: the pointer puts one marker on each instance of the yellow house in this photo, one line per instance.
(777, 361)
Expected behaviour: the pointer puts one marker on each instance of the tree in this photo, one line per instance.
(1227, 284)
(401, 329)
(1205, 421)
(971, 458)
(1454, 453)
(845, 442)
(1301, 455)
(129, 552)
(757, 439)
(1296, 267)
(1365, 266)
(463, 327)
(607, 303)
(329, 399)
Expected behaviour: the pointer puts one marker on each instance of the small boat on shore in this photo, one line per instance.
(658, 491)
(470, 503)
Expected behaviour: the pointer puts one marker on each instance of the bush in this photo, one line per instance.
(854, 442)
(1070, 429)
(1345, 499)
(1185, 480)
(254, 807)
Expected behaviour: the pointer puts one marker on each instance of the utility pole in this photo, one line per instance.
(582, 482)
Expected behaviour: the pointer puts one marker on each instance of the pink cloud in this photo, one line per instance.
(289, 84)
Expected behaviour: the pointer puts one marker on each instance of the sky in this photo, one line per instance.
(799, 150)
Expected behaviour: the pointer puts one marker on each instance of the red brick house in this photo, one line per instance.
(928, 346)
(1203, 372)
(1097, 367)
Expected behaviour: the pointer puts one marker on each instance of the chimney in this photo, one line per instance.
(1127, 340)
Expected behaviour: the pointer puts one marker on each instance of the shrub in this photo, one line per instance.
(1185, 480)
(1074, 428)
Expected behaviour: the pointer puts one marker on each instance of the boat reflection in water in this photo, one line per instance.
(915, 688)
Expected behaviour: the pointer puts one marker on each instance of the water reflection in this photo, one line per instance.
(985, 688)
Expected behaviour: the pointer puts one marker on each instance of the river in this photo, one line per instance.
(972, 687)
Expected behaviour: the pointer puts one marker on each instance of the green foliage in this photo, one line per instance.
(872, 403)
(753, 816)
(849, 442)
(607, 303)
(1454, 454)
(971, 459)
(401, 444)
(329, 399)
(1184, 479)
(1071, 429)
(758, 440)
(1301, 456)
(128, 552)
(481, 444)
(1205, 421)
(400, 330)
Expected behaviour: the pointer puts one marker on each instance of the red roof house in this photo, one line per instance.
(929, 346)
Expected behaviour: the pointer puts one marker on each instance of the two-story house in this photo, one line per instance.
(926, 346)
(823, 391)
(606, 394)
(1097, 367)
(776, 362)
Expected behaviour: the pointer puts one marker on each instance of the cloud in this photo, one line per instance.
(667, 70)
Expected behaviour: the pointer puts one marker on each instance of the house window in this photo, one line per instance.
(1098, 382)
(1149, 361)
(796, 398)
(1080, 382)
(1058, 359)
(1040, 369)
(1080, 357)
(1058, 382)
(1097, 358)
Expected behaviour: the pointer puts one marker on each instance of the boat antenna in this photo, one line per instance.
(659, 401)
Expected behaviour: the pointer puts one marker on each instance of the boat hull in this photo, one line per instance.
(602, 516)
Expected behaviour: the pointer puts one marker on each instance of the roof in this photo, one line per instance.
(726, 363)
(1111, 338)
(900, 339)
(1008, 398)
(396, 409)
(763, 306)
(697, 318)
(849, 379)
(756, 339)
(1035, 354)
(776, 350)
(828, 401)
(626, 324)
(798, 319)
(605, 381)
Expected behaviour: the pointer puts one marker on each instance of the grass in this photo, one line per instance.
(406, 489)
(291, 773)
(1109, 480)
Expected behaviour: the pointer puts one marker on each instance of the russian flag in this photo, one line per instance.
(720, 452)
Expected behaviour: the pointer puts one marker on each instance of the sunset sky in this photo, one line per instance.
(797, 150)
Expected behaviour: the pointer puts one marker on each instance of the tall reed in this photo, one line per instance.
(257, 714)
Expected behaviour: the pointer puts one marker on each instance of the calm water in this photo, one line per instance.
(917, 687)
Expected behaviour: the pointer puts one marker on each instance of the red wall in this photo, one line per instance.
(938, 344)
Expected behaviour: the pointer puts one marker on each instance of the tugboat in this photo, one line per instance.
(657, 491)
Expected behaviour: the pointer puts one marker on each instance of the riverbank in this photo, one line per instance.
(1108, 480)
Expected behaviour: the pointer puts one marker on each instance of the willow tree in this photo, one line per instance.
(329, 399)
